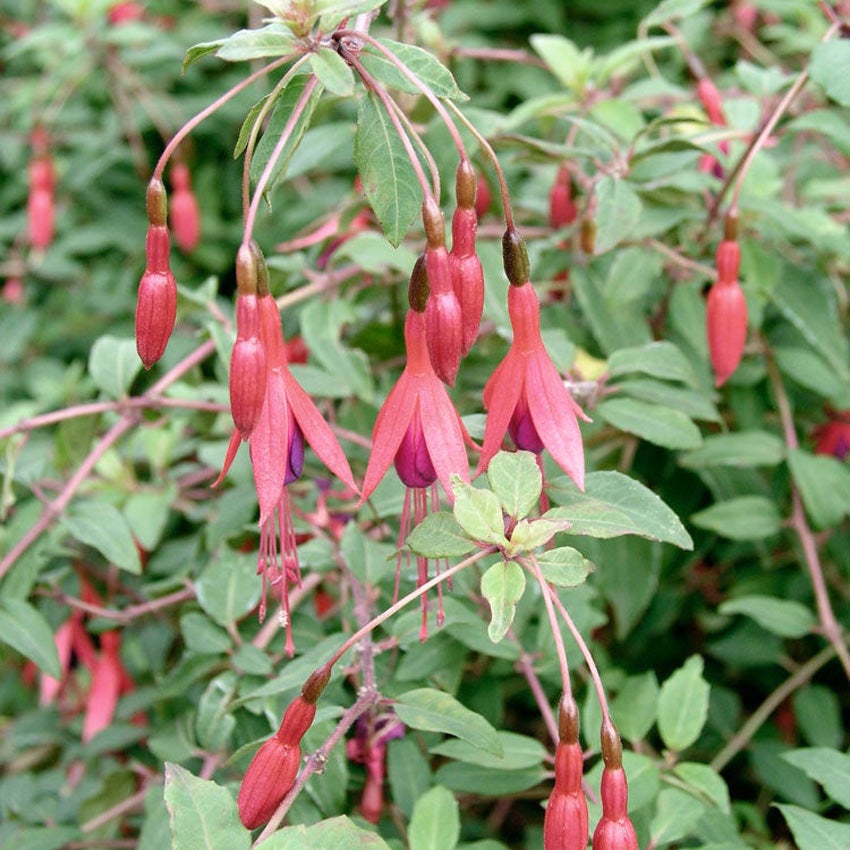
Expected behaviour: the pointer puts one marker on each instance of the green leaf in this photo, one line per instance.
(741, 449)
(742, 518)
(102, 526)
(147, 514)
(333, 72)
(334, 12)
(467, 778)
(23, 628)
(439, 536)
(658, 359)
(248, 125)
(613, 504)
(229, 587)
(516, 479)
(386, 173)
(198, 51)
(435, 711)
(502, 585)
(564, 566)
(423, 64)
(693, 403)
(624, 58)
(635, 706)
(783, 617)
(518, 752)
(618, 211)
(275, 39)
(564, 60)
(818, 714)
(662, 426)
(278, 122)
(683, 705)
(366, 558)
(40, 837)
(529, 535)
(829, 67)
(214, 724)
(479, 512)
(706, 783)
(203, 814)
(113, 364)
(824, 484)
(408, 773)
(202, 636)
(813, 832)
(435, 824)
(670, 10)
(827, 767)
(676, 816)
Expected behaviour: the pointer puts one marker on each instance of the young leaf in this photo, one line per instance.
(502, 585)
(516, 479)
(618, 211)
(388, 178)
(683, 705)
(203, 814)
(530, 535)
(275, 39)
(333, 72)
(613, 504)
(478, 512)
(23, 628)
(435, 711)
(564, 566)
(435, 823)
(424, 65)
(440, 536)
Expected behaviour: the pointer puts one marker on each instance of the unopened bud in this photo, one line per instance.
(296, 721)
(156, 310)
(315, 684)
(515, 257)
(443, 317)
(267, 781)
(418, 289)
(157, 202)
(466, 185)
(432, 220)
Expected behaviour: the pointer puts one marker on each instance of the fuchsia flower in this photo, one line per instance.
(287, 418)
(526, 396)
(185, 213)
(419, 431)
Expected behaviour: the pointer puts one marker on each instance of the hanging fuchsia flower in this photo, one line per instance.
(419, 431)
(526, 396)
(287, 418)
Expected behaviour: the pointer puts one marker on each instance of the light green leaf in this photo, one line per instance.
(502, 585)
(23, 628)
(742, 518)
(424, 65)
(439, 536)
(828, 767)
(635, 706)
(813, 832)
(740, 448)
(214, 723)
(147, 514)
(386, 173)
(102, 526)
(623, 59)
(783, 617)
(467, 778)
(435, 824)
(201, 635)
(618, 211)
(658, 359)
(275, 39)
(435, 711)
(229, 587)
(692, 403)
(654, 423)
(198, 51)
(114, 364)
(563, 58)
(334, 12)
(705, 783)
(683, 705)
(670, 10)
(518, 752)
(333, 72)
(248, 125)
(676, 816)
(564, 566)
(478, 512)
(830, 69)
(824, 484)
(203, 814)
(613, 504)
(529, 535)
(516, 479)
(366, 558)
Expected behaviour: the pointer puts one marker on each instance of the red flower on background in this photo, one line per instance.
(419, 431)
(833, 438)
(526, 395)
(184, 211)
(40, 201)
(726, 314)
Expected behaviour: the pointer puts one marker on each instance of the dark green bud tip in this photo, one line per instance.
(466, 184)
(315, 684)
(418, 288)
(262, 269)
(568, 720)
(432, 220)
(515, 258)
(730, 226)
(157, 201)
(612, 749)
(246, 271)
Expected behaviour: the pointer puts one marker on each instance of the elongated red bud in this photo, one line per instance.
(466, 185)
(711, 102)
(443, 317)
(185, 213)
(468, 284)
(418, 289)
(157, 202)
(158, 249)
(41, 173)
(432, 220)
(296, 721)
(483, 197)
(40, 217)
(614, 830)
(726, 324)
(247, 367)
(156, 310)
(267, 781)
(562, 209)
(515, 258)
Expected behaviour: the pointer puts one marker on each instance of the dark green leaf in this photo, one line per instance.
(824, 484)
(658, 359)
(113, 364)
(827, 767)
(518, 752)
(424, 65)
(662, 426)
(102, 526)
(739, 448)
(743, 518)
(683, 705)
(813, 832)
(23, 628)
(229, 587)
(783, 617)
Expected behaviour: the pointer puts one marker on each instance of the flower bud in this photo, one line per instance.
(483, 197)
(157, 202)
(468, 284)
(41, 173)
(432, 220)
(157, 249)
(515, 257)
(709, 97)
(40, 217)
(412, 460)
(728, 260)
(466, 185)
(316, 682)
(185, 214)
(443, 317)
(614, 830)
(267, 781)
(418, 288)
(156, 310)
(296, 721)
(247, 367)
(562, 210)
(726, 325)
